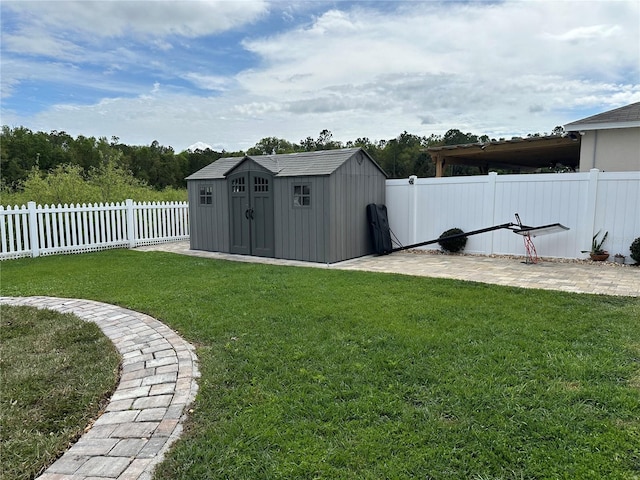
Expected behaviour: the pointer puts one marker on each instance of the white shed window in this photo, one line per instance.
(206, 195)
(302, 195)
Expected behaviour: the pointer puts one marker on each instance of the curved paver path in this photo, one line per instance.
(145, 413)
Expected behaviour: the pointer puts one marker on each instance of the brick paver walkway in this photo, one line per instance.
(145, 414)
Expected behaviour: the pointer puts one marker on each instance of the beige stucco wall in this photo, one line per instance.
(613, 150)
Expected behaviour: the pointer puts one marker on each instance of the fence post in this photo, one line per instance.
(490, 208)
(33, 229)
(412, 208)
(589, 217)
(131, 235)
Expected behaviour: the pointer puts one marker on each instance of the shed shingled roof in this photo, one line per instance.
(323, 162)
(216, 169)
(627, 116)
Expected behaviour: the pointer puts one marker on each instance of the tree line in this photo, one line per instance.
(400, 157)
(25, 153)
(22, 151)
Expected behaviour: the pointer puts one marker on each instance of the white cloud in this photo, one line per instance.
(112, 38)
(112, 18)
(493, 41)
(208, 82)
(594, 32)
(364, 69)
(32, 41)
(459, 61)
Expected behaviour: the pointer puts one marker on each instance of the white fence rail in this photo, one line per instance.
(584, 202)
(33, 230)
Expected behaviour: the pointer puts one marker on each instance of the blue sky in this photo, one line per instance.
(229, 73)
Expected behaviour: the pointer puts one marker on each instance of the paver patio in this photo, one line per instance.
(580, 277)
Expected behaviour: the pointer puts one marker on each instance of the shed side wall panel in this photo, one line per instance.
(280, 221)
(299, 231)
(209, 225)
(356, 184)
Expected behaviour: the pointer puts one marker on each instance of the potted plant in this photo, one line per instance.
(597, 253)
(618, 258)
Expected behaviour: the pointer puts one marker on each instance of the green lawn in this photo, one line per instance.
(313, 373)
(56, 373)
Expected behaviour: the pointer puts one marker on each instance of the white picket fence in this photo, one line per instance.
(421, 209)
(32, 230)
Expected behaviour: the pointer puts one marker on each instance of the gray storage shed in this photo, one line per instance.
(307, 206)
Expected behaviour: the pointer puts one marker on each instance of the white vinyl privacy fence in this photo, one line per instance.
(422, 209)
(33, 230)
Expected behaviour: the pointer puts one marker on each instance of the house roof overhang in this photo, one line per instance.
(529, 153)
(578, 127)
(627, 116)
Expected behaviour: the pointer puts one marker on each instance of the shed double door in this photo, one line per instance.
(251, 214)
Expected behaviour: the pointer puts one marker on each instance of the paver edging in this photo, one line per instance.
(146, 412)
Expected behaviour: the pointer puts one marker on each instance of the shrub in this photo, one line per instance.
(452, 245)
(635, 250)
(69, 183)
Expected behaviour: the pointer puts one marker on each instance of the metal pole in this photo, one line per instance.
(451, 237)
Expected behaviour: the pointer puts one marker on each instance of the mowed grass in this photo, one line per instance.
(316, 373)
(56, 372)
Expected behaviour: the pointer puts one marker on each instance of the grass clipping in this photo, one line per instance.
(57, 372)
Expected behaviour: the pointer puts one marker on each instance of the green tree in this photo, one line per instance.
(65, 184)
(68, 183)
(406, 155)
(308, 145)
(271, 146)
(111, 183)
(456, 137)
(325, 141)
(84, 152)
(194, 161)
(21, 150)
